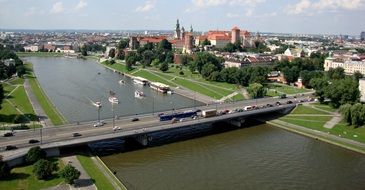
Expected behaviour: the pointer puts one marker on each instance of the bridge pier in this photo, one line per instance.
(236, 122)
(143, 139)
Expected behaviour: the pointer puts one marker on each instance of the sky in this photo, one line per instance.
(284, 16)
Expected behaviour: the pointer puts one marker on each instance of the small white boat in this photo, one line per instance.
(138, 94)
(113, 100)
(97, 104)
(170, 92)
(121, 82)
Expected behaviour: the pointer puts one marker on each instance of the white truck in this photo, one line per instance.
(209, 113)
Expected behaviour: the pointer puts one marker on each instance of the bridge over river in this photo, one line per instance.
(51, 139)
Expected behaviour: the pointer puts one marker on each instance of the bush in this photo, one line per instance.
(43, 169)
(181, 73)
(19, 119)
(70, 174)
(164, 67)
(34, 154)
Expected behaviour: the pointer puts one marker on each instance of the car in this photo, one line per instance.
(198, 110)
(289, 102)
(269, 105)
(76, 134)
(134, 119)
(8, 134)
(160, 114)
(278, 103)
(32, 141)
(181, 120)
(282, 96)
(11, 147)
(98, 124)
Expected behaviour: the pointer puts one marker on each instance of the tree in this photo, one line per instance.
(336, 74)
(291, 74)
(306, 76)
(207, 70)
(342, 91)
(357, 75)
(345, 111)
(1, 94)
(169, 57)
(185, 59)
(122, 44)
(111, 53)
(131, 60)
(155, 63)
(230, 47)
(34, 154)
(83, 50)
(320, 85)
(256, 90)
(165, 45)
(147, 57)
(20, 70)
(356, 114)
(43, 169)
(206, 42)
(164, 67)
(70, 174)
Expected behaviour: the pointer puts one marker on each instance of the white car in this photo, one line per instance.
(98, 124)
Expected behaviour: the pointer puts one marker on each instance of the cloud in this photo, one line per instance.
(81, 5)
(207, 3)
(149, 5)
(57, 8)
(232, 15)
(324, 5)
(249, 12)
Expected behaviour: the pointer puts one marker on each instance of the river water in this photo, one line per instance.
(259, 157)
(71, 84)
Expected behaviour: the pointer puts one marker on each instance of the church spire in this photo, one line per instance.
(191, 28)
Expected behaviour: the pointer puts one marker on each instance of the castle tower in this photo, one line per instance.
(177, 34)
(235, 37)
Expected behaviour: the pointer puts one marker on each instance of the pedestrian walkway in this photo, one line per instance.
(38, 110)
(84, 182)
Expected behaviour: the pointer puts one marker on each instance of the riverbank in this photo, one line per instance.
(313, 120)
(39, 54)
(50, 110)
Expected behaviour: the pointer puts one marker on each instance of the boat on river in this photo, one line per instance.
(139, 94)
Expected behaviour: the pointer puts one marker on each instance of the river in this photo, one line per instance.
(71, 85)
(259, 157)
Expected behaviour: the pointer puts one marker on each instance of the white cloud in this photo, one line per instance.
(31, 11)
(207, 3)
(232, 15)
(249, 12)
(149, 5)
(57, 8)
(324, 5)
(81, 5)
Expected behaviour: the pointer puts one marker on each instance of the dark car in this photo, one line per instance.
(11, 147)
(198, 110)
(269, 105)
(278, 103)
(32, 141)
(8, 134)
(289, 102)
(76, 134)
(135, 119)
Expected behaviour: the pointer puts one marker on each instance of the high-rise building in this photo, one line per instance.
(362, 36)
(235, 35)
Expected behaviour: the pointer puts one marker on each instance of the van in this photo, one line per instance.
(247, 108)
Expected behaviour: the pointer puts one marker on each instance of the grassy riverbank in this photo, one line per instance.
(52, 113)
(16, 103)
(23, 178)
(39, 54)
(311, 120)
(99, 177)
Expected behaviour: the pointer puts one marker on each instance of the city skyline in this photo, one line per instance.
(300, 16)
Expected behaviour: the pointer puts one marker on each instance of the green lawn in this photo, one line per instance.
(45, 103)
(324, 107)
(98, 177)
(16, 81)
(198, 88)
(23, 178)
(272, 93)
(300, 109)
(238, 97)
(119, 67)
(20, 99)
(153, 78)
(39, 54)
(7, 88)
(312, 122)
(349, 131)
(286, 89)
(7, 112)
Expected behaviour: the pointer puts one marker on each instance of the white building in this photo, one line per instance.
(32, 48)
(362, 90)
(349, 66)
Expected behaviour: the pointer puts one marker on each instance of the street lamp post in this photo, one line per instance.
(153, 105)
(41, 135)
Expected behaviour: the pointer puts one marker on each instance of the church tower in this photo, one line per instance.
(177, 34)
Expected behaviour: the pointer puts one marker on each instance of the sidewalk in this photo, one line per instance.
(38, 110)
(84, 182)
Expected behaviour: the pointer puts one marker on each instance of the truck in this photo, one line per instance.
(209, 113)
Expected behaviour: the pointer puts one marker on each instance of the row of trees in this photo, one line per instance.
(42, 168)
(353, 114)
(259, 47)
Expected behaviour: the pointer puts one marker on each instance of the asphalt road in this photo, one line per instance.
(146, 122)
